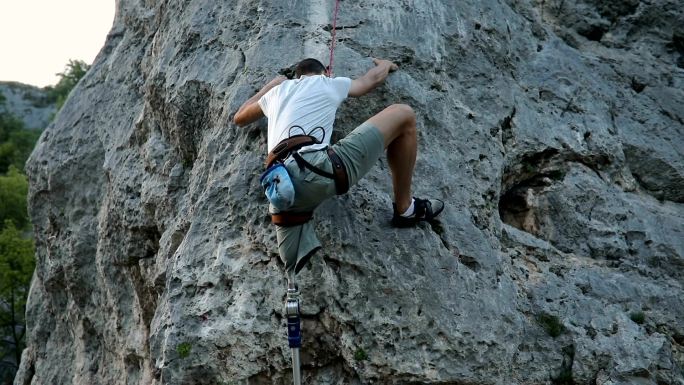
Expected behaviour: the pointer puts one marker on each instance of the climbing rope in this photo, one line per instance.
(332, 43)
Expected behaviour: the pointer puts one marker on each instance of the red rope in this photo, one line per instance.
(332, 43)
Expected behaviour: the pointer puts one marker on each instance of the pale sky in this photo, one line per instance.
(38, 37)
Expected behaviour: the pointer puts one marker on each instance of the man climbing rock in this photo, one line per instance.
(306, 105)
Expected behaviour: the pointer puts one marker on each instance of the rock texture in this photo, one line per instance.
(29, 104)
(553, 129)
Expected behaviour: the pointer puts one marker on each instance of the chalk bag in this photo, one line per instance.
(278, 187)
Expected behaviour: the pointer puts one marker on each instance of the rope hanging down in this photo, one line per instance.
(332, 43)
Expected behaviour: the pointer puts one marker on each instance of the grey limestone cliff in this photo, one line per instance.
(29, 104)
(553, 129)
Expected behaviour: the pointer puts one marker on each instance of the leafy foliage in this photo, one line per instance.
(13, 192)
(8, 125)
(552, 324)
(75, 70)
(360, 355)
(16, 143)
(16, 268)
(183, 349)
(638, 317)
(16, 251)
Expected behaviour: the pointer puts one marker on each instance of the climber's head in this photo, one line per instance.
(309, 67)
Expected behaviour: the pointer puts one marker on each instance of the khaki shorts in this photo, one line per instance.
(359, 151)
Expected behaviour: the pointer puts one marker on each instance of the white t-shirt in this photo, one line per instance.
(308, 102)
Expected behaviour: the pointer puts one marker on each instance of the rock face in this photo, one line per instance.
(553, 129)
(28, 103)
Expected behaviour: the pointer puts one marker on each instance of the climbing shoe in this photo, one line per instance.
(423, 210)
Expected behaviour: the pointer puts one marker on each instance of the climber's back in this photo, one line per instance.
(304, 103)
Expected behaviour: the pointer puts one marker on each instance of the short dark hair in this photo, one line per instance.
(309, 66)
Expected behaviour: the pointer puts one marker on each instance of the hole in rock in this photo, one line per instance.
(514, 210)
(678, 338)
(522, 182)
(142, 243)
(678, 45)
(469, 262)
(637, 85)
(593, 33)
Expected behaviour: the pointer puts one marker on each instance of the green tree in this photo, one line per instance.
(13, 192)
(16, 268)
(16, 142)
(16, 251)
(15, 150)
(75, 70)
(8, 124)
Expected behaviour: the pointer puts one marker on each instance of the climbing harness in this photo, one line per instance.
(292, 143)
(289, 147)
(339, 174)
(332, 43)
(288, 219)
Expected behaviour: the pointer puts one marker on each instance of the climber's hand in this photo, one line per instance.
(381, 62)
(373, 78)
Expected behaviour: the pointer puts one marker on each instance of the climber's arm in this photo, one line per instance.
(373, 78)
(247, 114)
(250, 111)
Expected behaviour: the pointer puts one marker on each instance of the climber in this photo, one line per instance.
(307, 105)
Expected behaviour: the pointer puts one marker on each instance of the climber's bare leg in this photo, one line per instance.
(397, 124)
